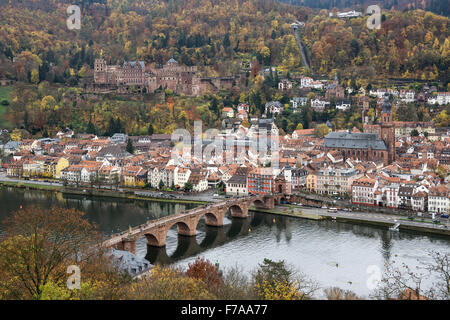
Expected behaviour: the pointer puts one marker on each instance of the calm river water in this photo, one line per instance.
(332, 253)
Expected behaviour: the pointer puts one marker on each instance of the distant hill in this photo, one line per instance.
(221, 37)
(437, 6)
(52, 62)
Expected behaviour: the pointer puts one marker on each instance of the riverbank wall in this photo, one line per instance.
(289, 212)
(402, 227)
(405, 225)
(88, 192)
(284, 210)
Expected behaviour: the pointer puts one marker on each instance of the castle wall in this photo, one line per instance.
(180, 79)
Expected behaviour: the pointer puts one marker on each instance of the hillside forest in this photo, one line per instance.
(52, 63)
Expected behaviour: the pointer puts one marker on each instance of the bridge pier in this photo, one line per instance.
(153, 241)
(187, 228)
(269, 203)
(127, 244)
(216, 219)
(156, 232)
(240, 211)
(157, 238)
(157, 255)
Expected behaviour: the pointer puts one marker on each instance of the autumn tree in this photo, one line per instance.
(37, 247)
(402, 282)
(236, 285)
(274, 280)
(207, 272)
(335, 293)
(321, 130)
(164, 283)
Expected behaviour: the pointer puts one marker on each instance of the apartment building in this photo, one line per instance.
(439, 199)
(364, 191)
(336, 181)
(260, 181)
(237, 184)
(181, 176)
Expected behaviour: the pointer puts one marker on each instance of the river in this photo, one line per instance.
(332, 253)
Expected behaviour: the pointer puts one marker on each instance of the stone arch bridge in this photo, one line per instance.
(156, 230)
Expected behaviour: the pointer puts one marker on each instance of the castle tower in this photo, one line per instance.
(100, 71)
(387, 128)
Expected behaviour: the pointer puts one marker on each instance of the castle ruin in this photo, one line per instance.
(136, 76)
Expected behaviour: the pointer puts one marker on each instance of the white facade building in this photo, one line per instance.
(439, 200)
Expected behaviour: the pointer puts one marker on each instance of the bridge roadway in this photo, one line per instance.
(156, 231)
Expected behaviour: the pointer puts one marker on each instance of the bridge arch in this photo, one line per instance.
(238, 227)
(238, 211)
(155, 240)
(191, 246)
(280, 188)
(187, 222)
(157, 255)
(258, 203)
(184, 228)
(158, 237)
(186, 247)
(213, 218)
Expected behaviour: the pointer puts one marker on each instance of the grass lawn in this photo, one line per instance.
(4, 95)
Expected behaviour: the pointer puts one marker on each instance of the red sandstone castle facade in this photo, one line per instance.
(136, 74)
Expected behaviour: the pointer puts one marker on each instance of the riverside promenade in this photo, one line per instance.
(400, 222)
(357, 216)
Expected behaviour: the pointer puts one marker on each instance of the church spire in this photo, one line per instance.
(387, 128)
(386, 107)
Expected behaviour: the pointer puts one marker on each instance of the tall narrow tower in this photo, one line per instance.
(100, 71)
(387, 128)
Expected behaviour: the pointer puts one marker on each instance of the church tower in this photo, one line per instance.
(387, 128)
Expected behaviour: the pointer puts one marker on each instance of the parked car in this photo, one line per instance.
(445, 216)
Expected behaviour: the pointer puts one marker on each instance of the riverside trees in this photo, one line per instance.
(38, 246)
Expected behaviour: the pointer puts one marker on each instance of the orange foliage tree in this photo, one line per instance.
(207, 272)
